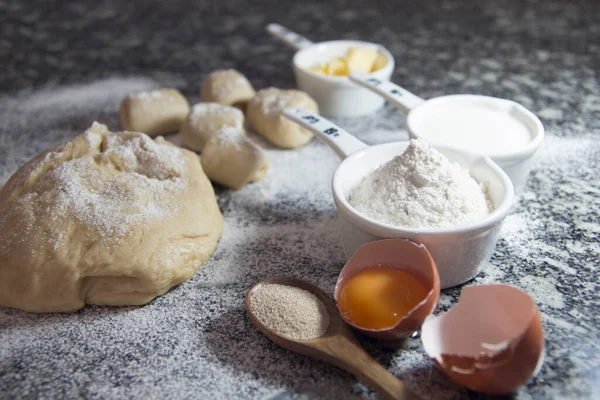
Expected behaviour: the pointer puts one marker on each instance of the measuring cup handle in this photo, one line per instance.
(291, 39)
(335, 137)
(399, 97)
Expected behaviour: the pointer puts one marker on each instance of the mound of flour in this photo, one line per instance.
(421, 189)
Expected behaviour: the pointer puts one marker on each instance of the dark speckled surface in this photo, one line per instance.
(65, 64)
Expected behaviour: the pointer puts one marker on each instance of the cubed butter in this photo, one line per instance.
(322, 68)
(356, 59)
(379, 62)
(361, 59)
(337, 67)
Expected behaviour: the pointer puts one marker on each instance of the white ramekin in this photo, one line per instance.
(337, 96)
(517, 163)
(460, 252)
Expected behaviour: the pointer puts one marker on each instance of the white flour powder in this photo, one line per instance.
(421, 189)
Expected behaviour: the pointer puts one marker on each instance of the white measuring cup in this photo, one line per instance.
(460, 252)
(336, 95)
(502, 129)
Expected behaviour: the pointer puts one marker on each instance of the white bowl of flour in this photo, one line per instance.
(460, 242)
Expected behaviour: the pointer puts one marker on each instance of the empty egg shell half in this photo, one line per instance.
(491, 341)
(403, 254)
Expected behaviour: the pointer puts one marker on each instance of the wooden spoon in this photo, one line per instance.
(337, 345)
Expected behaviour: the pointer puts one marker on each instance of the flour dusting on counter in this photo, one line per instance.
(90, 96)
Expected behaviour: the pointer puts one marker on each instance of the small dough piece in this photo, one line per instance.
(233, 160)
(205, 119)
(227, 86)
(105, 218)
(155, 112)
(264, 115)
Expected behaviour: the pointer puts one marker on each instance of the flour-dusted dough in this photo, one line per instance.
(105, 218)
(205, 119)
(264, 115)
(233, 160)
(154, 112)
(227, 86)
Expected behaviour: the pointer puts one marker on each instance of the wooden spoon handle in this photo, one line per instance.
(347, 354)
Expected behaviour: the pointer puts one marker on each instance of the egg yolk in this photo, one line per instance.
(379, 297)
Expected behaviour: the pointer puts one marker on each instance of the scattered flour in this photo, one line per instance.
(550, 113)
(84, 96)
(543, 290)
(148, 94)
(560, 153)
(521, 234)
(421, 189)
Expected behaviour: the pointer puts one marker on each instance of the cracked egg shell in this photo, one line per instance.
(491, 341)
(402, 254)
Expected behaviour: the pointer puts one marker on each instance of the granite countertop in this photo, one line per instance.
(66, 64)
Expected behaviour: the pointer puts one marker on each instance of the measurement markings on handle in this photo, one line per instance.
(385, 86)
(373, 81)
(310, 119)
(326, 128)
(332, 132)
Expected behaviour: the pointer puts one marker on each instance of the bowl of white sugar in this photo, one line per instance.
(450, 200)
(502, 129)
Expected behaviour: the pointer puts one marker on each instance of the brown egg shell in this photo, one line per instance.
(405, 255)
(491, 341)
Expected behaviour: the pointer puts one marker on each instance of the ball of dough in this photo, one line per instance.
(105, 218)
(264, 115)
(233, 160)
(154, 112)
(227, 86)
(204, 120)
